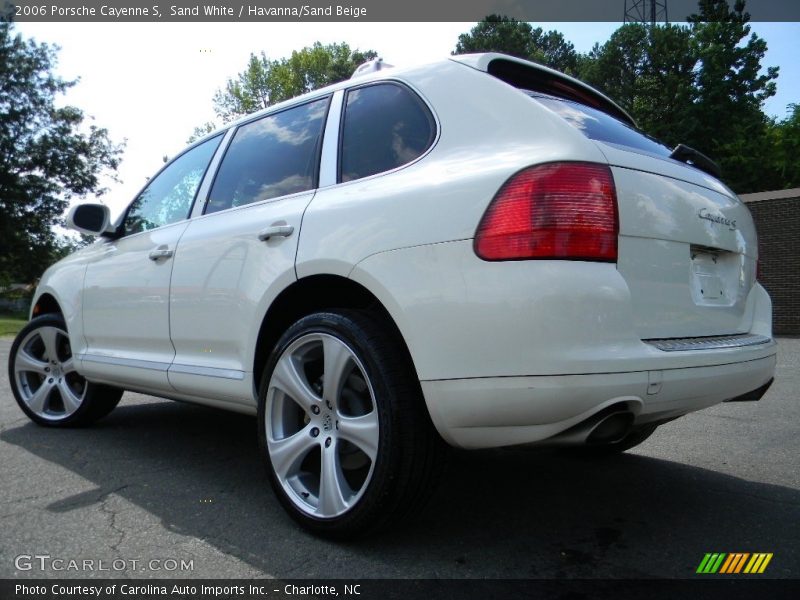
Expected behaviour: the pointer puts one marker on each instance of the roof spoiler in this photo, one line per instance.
(531, 76)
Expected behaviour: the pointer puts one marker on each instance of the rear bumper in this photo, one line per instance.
(504, 411)
(518, 352)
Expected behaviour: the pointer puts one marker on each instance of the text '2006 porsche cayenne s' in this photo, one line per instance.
(479, 252)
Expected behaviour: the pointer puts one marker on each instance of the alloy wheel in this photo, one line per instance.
(45, 374)
(322, 425)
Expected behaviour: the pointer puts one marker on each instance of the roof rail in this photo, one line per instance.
(371, 66)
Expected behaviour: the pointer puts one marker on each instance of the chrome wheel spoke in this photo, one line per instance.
(288, 453)
(362, 432)
(332, 485)
(39, 398)
(49, 337)
(27, 363)
(68, 366)
(68, 397)
(287, 379)
(337, 364)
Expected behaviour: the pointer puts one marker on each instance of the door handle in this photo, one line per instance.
(275, 231)
(160, 252)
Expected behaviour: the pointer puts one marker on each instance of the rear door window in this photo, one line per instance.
(385, 126)
(270, 157)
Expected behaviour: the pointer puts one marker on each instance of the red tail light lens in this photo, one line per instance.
(562, 210)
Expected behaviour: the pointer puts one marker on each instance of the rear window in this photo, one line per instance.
(597, 125)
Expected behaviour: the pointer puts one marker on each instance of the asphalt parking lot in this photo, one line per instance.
(161, 481)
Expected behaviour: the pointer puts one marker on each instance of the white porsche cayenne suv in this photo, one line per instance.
(480, 251)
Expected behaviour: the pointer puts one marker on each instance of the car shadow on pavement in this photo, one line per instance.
(495, 514)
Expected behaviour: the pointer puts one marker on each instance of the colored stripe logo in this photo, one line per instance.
(734, 562)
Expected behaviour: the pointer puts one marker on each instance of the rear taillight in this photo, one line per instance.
(564, 210)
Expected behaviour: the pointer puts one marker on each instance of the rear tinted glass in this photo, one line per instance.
(597, 125)
(385, 126)
(270, 157)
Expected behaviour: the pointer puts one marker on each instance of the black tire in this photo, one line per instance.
(634, 438)
(410, 453)
(93, 401)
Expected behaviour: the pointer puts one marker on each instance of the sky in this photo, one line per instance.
(151, 84)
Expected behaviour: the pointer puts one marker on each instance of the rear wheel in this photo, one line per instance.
(45, 382)
(343, 426)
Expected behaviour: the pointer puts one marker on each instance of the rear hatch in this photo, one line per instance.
(687, 245)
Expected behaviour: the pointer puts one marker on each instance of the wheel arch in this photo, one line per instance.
(312, 294)
(46, 303)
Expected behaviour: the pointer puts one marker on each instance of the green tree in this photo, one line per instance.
(730, 90)
(784, 139)
(199, 132)
(701, 85)
(719, 11)
(650, 72)
(48, 156)
(497, 34)
(517, 38)
(265, 82)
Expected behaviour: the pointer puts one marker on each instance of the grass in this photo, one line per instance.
(10, 324)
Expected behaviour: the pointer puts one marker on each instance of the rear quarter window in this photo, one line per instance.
(385, 126)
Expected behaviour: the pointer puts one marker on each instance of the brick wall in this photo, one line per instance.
(777, 218)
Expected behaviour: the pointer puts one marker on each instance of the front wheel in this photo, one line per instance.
(343, 425)
(45, 383)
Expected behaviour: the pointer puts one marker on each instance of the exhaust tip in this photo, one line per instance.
(610, 429)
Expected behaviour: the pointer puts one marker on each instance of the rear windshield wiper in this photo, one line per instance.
(684, 153)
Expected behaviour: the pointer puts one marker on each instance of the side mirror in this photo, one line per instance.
(92, 219)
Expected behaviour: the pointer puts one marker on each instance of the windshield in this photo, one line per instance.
(597, 125)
